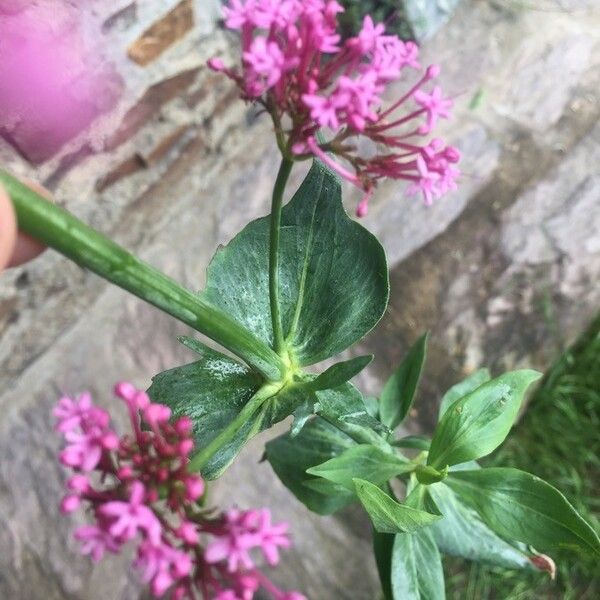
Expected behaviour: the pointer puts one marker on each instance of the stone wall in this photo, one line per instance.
(503, 272)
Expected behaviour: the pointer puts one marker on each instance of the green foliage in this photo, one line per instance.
(398, 393)
(333, 278)
(558, 439)
(332, 289)
(291, 457)
(211, 391)
(339, 373)
(522, 507)
(478, 423)
(388, 515)
(462, 532)
(416, 571)
(345, 408)
(383, 547)
(363, 462)
(461, 389)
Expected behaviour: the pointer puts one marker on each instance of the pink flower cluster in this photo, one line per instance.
(295, 64)
(139, 490)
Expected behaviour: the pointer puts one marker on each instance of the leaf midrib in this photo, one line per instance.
(300, 300)
(507, 499)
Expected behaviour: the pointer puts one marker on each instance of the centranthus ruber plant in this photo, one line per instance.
(138, 490)
(293, 289)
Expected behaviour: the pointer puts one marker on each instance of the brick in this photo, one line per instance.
(164, 146)
(144, 159)
(150, 104)
(128, 167)
(163, 34)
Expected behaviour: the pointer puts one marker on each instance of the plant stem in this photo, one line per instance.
(276, 206)
(62, 231)
(201, 458)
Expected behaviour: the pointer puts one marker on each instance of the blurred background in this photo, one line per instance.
(158, 152)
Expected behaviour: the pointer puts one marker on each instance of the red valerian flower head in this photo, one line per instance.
(139, 490)
(295, 65)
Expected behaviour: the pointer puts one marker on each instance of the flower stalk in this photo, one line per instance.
(275, 231)
(87, 247)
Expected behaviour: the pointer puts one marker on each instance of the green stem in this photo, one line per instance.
(201, 458)
(62, 231)
(276, 207)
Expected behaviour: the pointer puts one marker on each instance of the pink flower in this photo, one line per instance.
(425, 183)
(70, 413)
(162, 566)
(227, 595)
(85, 448)
(265, 65)
(128, 517)
(243, 531)
(435, 105)
(95, 541)
(296, 67)
(368, 37)
(145, 488)
(272, 537)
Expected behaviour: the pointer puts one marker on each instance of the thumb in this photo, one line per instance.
(8, 229)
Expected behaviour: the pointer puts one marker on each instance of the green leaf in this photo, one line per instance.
(478, 423)
(333, 274)
(399, 392)
(344, 406)
(462, 533)
(471, 383)
(302, 415)
(363, 462)
(418, 442)
(339, 373)
(383, 546)
(290, 457)
(417, 572)
(212, 392)
(389, 516)
(522, 507)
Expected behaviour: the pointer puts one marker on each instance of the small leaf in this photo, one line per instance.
(418, 442)
(428, 475)
(212, 392)
(344, 406)
(333, 274)
(301, 416)
(522, 507)
(466, 386)
(399, 392)
(463, 533)
(383, 546)
(417, 572)
(363, 462)
(290, 457)
(372, 405)
(339, 373)
(478, 423)
(389, 516)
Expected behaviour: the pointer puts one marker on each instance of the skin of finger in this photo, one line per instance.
(8, 229)
(27, 248)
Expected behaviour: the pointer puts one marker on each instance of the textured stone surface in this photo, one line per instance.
(162, 34)
(495, 271)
